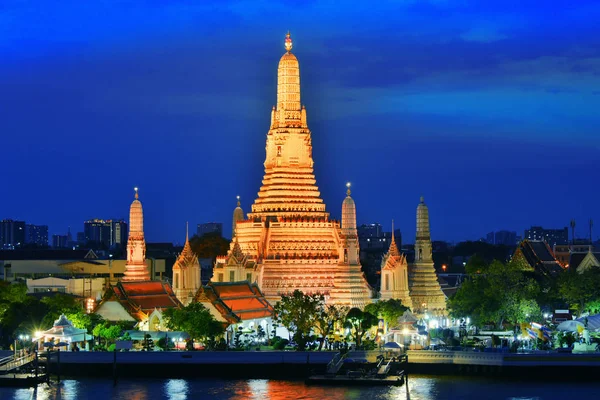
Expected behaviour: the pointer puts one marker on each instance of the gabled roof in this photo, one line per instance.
(539, 256)
(576, 259)
(242, 299)
(141, 298)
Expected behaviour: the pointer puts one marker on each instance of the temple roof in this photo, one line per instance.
(243, 300)
(141, 298)
(187, 257)
(539, 256)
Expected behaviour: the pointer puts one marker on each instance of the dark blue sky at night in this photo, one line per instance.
(488, 109)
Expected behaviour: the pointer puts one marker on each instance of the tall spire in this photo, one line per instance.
(135, 269)
(349, 213)
(393, 247)
(187, 234)
(238, 215)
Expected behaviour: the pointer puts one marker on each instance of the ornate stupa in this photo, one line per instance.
(394, 275)
(425, 290)
(238, 215)
(288, 235)
(135, 269)
(186, 273)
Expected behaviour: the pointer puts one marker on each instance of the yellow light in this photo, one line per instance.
(405, 331)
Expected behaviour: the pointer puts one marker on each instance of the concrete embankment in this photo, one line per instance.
(226, 364)
(559, 365)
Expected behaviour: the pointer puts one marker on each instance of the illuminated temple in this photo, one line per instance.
(288, 241)
(425, 291)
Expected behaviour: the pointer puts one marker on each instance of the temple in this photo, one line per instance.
(135, 269)
(394, 275)
(186, 273)
(425, 291)
(288, 241)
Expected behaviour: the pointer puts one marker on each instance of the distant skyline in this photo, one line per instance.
(490, 111)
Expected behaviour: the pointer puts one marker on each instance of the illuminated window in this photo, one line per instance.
(231, 276)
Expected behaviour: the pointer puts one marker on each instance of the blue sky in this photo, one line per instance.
(488, 109)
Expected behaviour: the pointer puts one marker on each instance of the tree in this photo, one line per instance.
(389, 310)
(327, 317)
(579, 290)
(360, 322)
(298, 312)
(83, 320)
(57, 305)
(496, 293)
(197, 321)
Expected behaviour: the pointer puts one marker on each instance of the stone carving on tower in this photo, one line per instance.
(186, 273)
(394, 275)
(136, 269)
(425, 290)
(288, 234)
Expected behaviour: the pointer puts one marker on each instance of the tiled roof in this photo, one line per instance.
(575, 259)
(141, 298)
(539, 256)
(241, 300)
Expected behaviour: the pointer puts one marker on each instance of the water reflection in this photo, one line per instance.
(176, 389)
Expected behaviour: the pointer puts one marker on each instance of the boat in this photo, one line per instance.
(356, 378)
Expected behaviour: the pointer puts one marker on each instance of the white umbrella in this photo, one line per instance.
(569, 326)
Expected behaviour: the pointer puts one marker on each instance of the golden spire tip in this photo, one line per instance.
(288, 42)
(238, 200)
(348, 184)
(136, 192)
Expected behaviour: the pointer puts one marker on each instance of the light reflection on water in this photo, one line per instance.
(419, 388)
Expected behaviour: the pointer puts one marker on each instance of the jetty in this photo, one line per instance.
(21, 371)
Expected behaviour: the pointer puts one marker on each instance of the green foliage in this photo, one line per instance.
(57, 305)
(299, 313)
(359, 322)
(326, 319)
(496, 293)
(581, 291)
(107, 333)
(82, 320)
(197, 321)
(390, 310)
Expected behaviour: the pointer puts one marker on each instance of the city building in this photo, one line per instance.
(562, 252)
(288, 240)
(12, 234)
(60, 241)
(36, 234)
(505, 238)
(425, 291)
(489, 238)
(106, 233)
(550, 236)
(186, 273)
(210, 227)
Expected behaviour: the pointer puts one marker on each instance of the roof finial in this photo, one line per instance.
(348, 184)
(422, 199)
(238, 200)
(136, 192)
(288, 42)
(187, 235)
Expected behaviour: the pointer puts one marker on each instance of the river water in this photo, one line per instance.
(419, 388)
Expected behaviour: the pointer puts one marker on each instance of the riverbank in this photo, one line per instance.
(297, 365)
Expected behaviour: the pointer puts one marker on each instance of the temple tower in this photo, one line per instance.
(425, 290)
(349, 286)
(238, 215)
(394, 275)
(186, 273)
(135, 269)
(288, 241)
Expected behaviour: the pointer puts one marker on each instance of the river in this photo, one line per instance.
(419, 388)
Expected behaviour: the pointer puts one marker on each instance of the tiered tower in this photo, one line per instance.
(348, 284)
(425, 290)
(186, 273)
(288, 235)
(394, 275)
(135, 269)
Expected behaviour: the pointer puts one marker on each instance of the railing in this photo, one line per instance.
(336, 363)
(17, 363)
